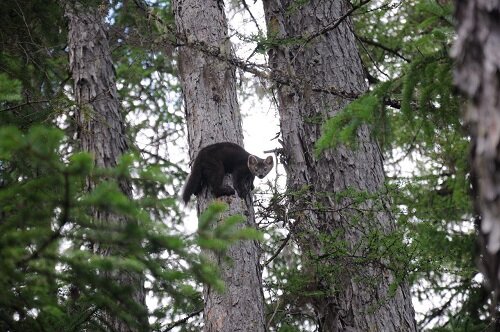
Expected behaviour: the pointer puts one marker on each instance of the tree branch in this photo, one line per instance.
(260, 70)
(24, 104)
(382, 46)
(336, 23)
(64, 220)
(183, 320)
(245, 5)
(281, 247)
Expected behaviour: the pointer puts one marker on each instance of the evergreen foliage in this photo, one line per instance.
(50, 275)
(54, 280)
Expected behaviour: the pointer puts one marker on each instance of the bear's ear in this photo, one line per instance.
(269, 160)
(252, 160)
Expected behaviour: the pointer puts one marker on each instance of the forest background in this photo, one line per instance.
(52, 276)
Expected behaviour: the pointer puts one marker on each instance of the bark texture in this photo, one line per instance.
(100, 125)
(331, 61)
(212, 113)
(477, 55)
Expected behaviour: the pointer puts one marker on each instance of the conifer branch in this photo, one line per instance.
(63, 221)
(183, 320)
(24, 104)
(375, 63)
(393, 103)
(382, 46)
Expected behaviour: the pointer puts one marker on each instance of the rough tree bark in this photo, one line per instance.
(477, 55)
(100, 125)
(212, 113)
(314, 70)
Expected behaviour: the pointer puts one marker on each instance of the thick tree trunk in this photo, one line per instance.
(100, 125)
(321, 75)
(212, 113)
(477, 54)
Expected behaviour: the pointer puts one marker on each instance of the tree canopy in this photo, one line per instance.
(50, 278)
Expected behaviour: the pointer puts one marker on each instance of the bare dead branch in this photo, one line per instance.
(183, 320)
(260, 70)
(335, 23)
(382, 46)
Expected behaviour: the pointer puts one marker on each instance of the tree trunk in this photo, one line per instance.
(100, 125)
(321, 76)
(477, 54)
(212, 113)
